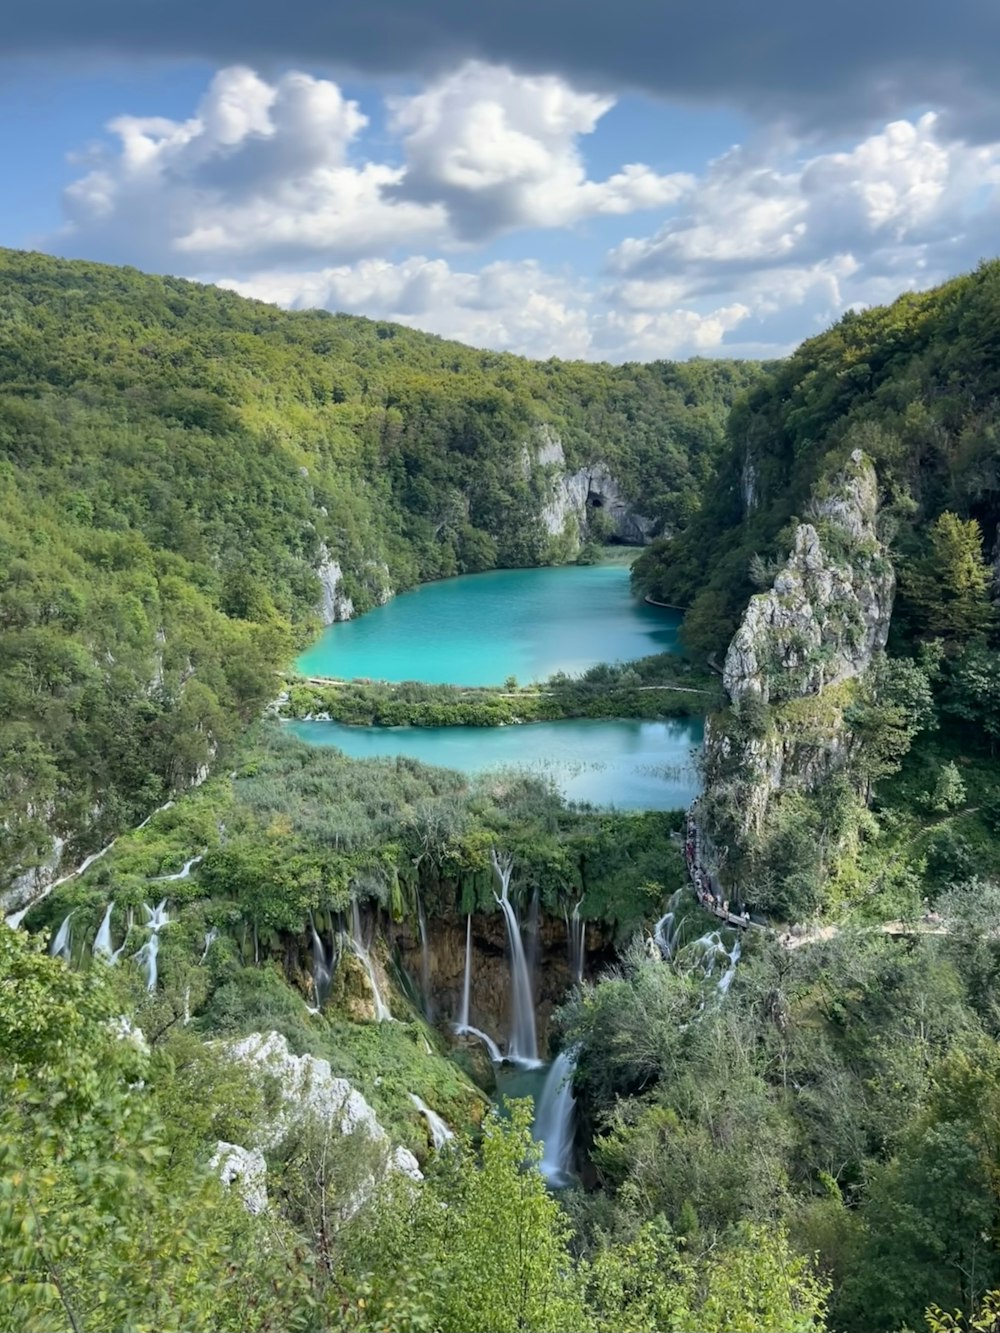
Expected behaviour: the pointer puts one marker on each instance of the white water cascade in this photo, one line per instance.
(712, 949)
(322, 970)
(425, 963)
(146, 958)
(183, 873)
(665, 932)
(463, 1028)
(210, 937)
(102, 941)
(577, 943)
(62, 942)
(554, 1117)
(156, 917)
(463, 1016)
(522, 1047)
(440, 1131)
(382, 1011)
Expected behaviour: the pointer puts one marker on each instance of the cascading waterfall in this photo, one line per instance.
(463, 1028)
(726, 980)
(62, 943)
(578, 943)
(463, 1016)
(146, 958)
(183, 873)
(554, 1120)
(665, 933)
(102, 941)
(210, 937)
(382, 1011)
(440, 1131)
(425, 963)
(156, 917)
(522, 1047)
(321, 972)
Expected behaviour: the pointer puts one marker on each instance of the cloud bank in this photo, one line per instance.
(813, 66)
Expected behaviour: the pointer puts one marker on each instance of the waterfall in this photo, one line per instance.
(554, 1117)
(382, 1012)
(665, 933)
(712, 949)
(321, 971)
(440, 1132)
(463, 1016)
(210, 937)
(726, 980)
(578, 943)
(156, 917)
(531, 935)
(183, 873)
(425, 962)
(522, 1047)
(146, 957)
(102, 942)
(166, 806)
(493, 1050)
(62, 945)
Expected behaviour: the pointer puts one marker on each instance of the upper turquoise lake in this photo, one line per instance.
(479, 629)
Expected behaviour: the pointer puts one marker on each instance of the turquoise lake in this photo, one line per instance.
(481, 628)
(528, 623)
(631, 765)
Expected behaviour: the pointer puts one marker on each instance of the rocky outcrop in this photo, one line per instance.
(246, 1169)
(334, 603)
(574, 496)
(828, 611)
(308, 1090)
(791, 666)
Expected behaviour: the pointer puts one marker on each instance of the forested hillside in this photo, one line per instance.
(176, 463)
(914, 384)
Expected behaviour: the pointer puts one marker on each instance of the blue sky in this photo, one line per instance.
(567, 198)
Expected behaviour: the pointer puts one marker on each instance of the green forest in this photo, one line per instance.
(175, 461)
(794, 1128)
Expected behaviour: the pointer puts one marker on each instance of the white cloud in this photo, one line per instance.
(265, 173)
(500, 150)
(906, 201)
(508, 306)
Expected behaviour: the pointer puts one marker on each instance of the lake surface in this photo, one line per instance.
(631, 765)
(481, 628)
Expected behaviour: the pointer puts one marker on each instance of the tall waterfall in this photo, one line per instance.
(425, 962)
(463, 1015)
(577, 943)
(156, 917)
(321, 970)
(440, 1131)
(62, 944)
(554, 1117)
(523, 1044)
(382, 1011)
(146, 958)
(102, 941)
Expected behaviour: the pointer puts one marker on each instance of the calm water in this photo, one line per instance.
(481, 628)
(631, 765)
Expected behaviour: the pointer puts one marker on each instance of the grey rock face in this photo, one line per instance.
(821, 624)
(592, 487)
(334, 604)
(246, 1169)
(828, 611)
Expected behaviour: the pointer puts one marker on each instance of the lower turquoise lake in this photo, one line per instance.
(627, 764)
(479, 629)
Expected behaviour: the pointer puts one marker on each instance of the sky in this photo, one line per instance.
(626, 181)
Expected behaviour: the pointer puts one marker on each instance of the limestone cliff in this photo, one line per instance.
(791, 667)
(575, 496)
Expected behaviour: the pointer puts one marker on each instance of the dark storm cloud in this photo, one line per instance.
(817, 65)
